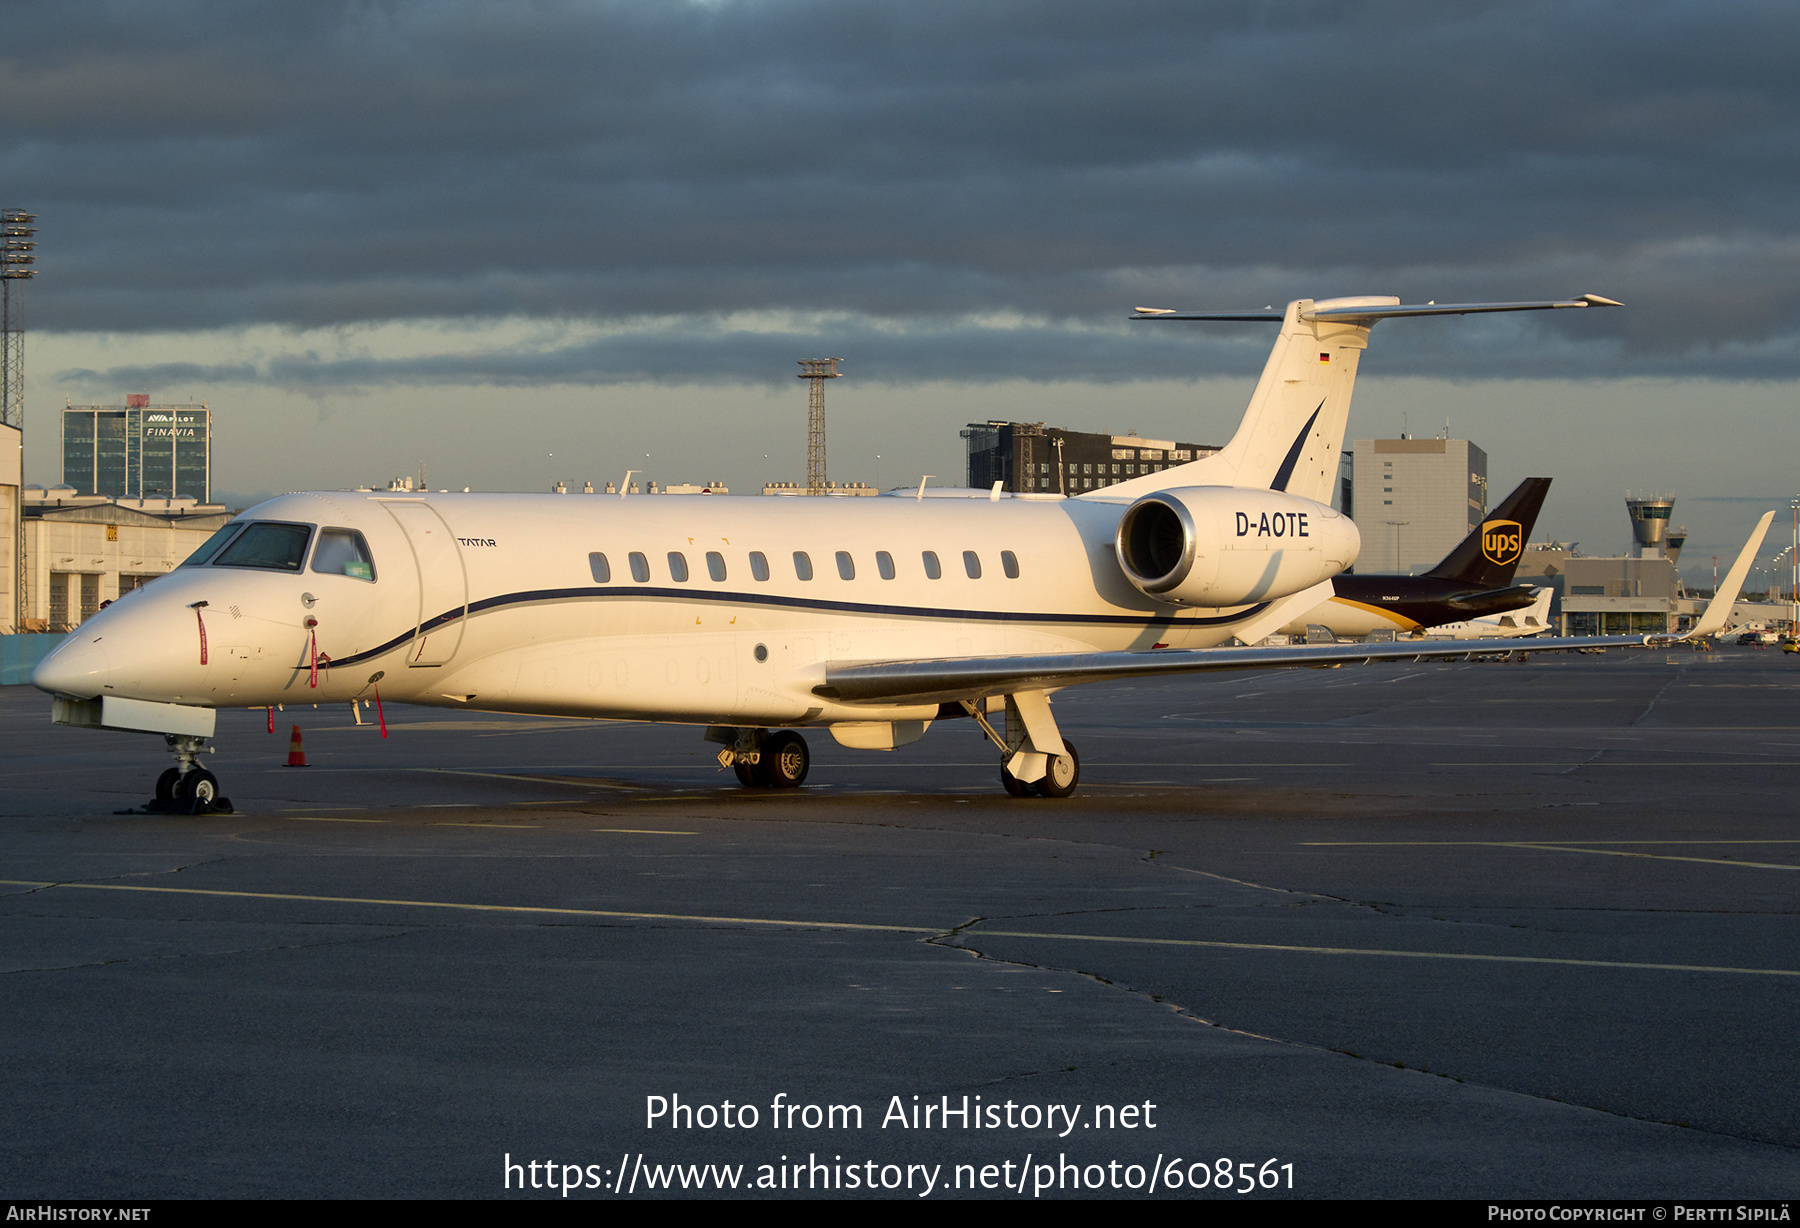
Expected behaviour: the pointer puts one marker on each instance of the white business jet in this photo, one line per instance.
(754, 617)
(1533, 620)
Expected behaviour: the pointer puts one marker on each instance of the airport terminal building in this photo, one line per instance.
(1630, 594)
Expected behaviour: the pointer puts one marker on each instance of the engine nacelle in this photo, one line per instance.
(1226, 546)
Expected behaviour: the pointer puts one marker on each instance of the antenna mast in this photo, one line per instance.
(818, 370)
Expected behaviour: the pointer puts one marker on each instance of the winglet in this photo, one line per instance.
(1719, 608)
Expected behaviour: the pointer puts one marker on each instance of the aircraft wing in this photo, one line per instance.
(954, 678)
(1712, 619)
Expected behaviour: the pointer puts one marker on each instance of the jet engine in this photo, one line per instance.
(1218, 546)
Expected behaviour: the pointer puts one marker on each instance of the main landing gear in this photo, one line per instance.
(1035, 759)
(187, 788)
(761, 759)
(1060, 777)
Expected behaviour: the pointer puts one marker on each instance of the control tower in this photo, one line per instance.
(1649, 523)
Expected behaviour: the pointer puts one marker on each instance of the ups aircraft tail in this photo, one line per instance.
(1292, 434)
(1490, 554)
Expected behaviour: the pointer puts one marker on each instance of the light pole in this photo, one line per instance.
(16, 231)
(1394, 538)
(1794, 574)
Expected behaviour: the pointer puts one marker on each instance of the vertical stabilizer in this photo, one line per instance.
(1490, 554)
(1292, 434)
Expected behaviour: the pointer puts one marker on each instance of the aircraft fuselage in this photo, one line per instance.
(711, 609)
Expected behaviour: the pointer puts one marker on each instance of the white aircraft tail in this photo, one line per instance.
(1292, 434)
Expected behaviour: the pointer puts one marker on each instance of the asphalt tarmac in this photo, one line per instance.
(1481, 930)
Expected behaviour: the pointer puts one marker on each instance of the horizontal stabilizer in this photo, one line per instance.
(1499, 599)
(1169, 313)
(1364, 311)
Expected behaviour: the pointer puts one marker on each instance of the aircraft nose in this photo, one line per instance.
(78, 666)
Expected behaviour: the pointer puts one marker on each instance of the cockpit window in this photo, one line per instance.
(343, 552)
(211, 545)
(277, 547)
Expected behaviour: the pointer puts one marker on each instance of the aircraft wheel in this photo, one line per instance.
(1013, 785)
(165, 787)
(200, 787)
(1064, 773)
(750, 775)
(785, 760)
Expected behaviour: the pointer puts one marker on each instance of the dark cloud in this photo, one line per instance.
(206, 165)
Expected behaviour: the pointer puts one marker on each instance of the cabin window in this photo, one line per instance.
(640, 568)
(678, 567)
(972, 564)
(932, 570)
(846, 565)
(601, 568)
(343, 552)
(276, 547)
(802, 565)
(211, 545)
(715, 565)
(1009, 563)
(884, 563)
(759, 565)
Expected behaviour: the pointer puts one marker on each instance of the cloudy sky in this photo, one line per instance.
(529, 241)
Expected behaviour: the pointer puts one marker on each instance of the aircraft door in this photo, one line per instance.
(443, 584)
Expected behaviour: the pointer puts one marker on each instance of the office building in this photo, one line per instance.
(138, 450)
(1032, 458)
(1415, 499)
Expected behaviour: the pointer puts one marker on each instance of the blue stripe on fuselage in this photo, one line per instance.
(615, 592)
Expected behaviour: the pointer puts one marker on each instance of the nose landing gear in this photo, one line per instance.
(187, 788)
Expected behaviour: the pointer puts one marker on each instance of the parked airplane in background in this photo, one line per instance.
(1534, 619)
(752, 616)
(1473, 581)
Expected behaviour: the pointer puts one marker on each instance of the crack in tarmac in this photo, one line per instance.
(952, 940)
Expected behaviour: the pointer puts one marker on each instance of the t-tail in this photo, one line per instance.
(1490, 554)
(1292, 434)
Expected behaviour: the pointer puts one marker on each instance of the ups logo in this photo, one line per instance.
(1502, 542)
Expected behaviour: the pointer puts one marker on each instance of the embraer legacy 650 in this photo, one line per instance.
(755, 616)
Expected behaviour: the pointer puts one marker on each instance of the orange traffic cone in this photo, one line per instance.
(296, 751)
